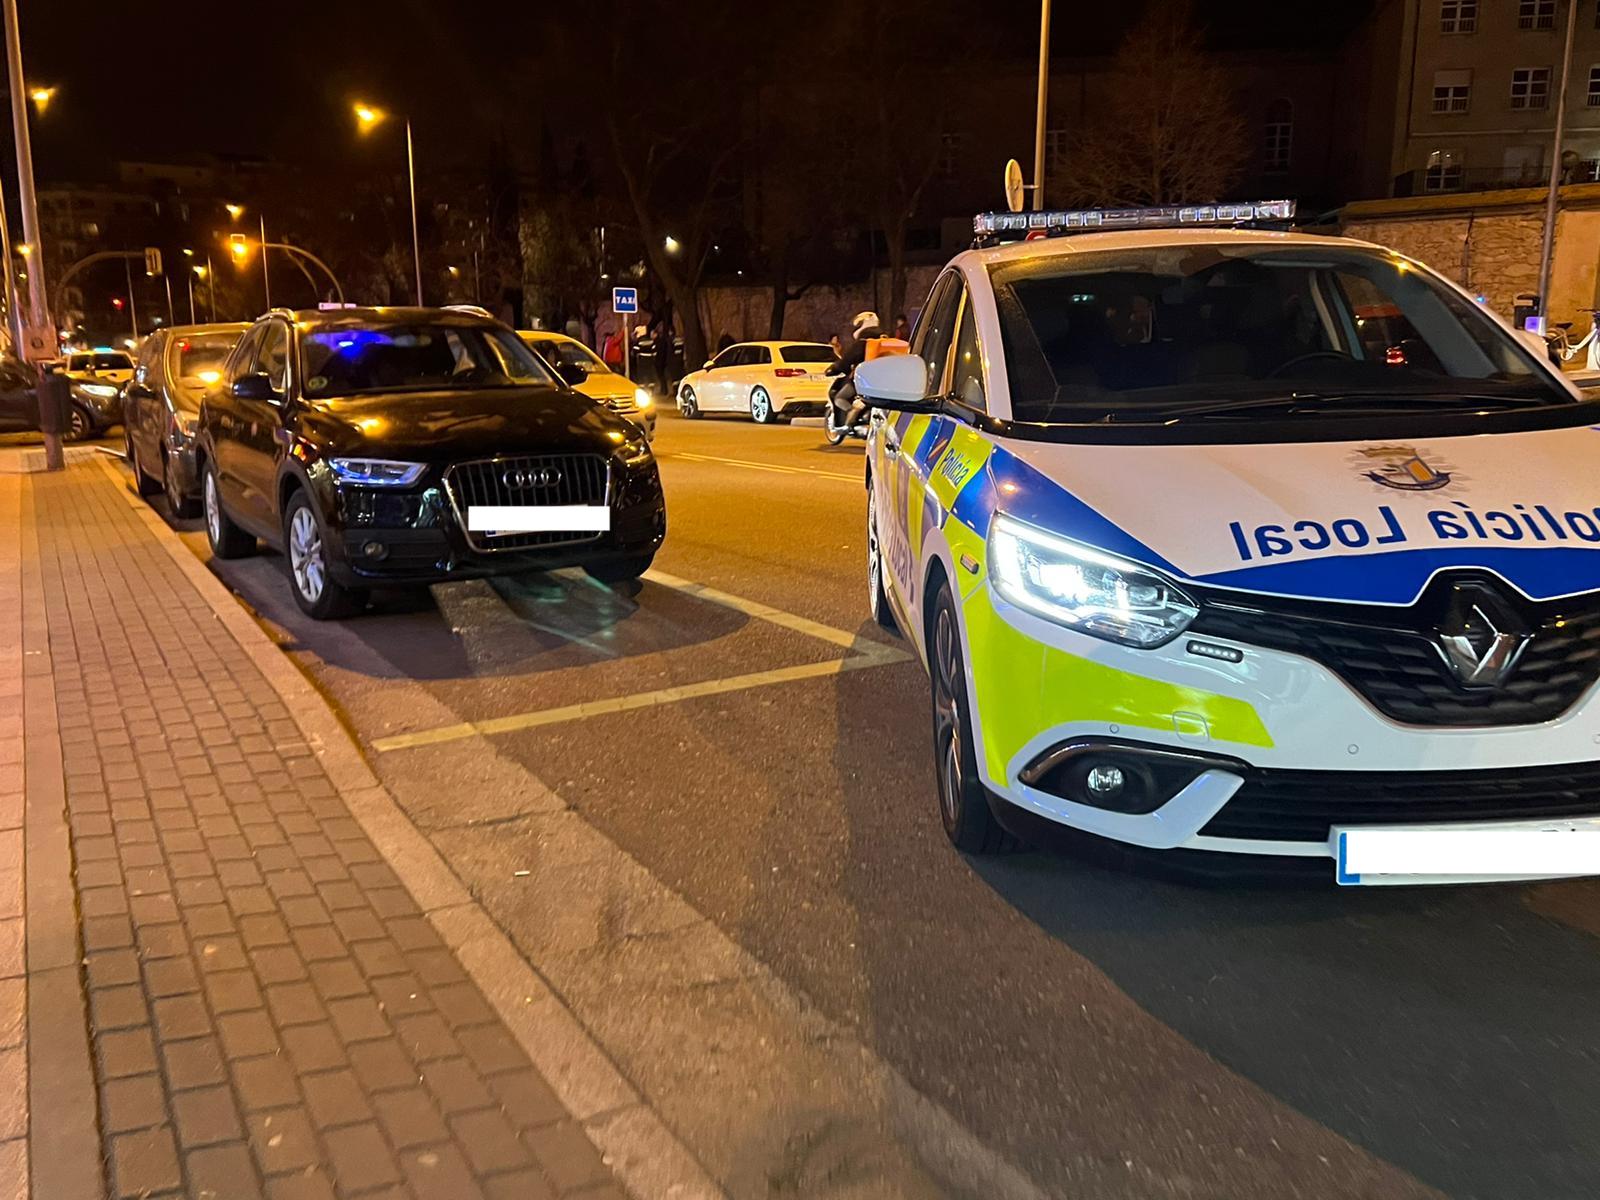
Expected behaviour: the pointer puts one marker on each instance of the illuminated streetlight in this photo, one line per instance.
(369, 116)
(41, 97)
(455, 272)
(672, 245)
(187, 252)
(24, 249)
(200, 270)
(235, 211)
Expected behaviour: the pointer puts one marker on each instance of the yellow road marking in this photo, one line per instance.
(864, 653)
(758, 466)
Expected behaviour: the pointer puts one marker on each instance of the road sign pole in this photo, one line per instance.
(627, 345)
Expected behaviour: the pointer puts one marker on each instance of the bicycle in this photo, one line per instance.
(1563, 349)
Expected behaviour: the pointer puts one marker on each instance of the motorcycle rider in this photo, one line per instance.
(863, 327)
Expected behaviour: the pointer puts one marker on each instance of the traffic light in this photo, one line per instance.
(238, 246)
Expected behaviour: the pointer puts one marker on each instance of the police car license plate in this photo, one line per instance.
(539, 518)
(1508, 850)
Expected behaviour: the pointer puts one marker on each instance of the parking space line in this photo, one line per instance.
(864, 653)
(758, 466)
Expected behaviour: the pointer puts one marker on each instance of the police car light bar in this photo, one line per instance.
(996, 226)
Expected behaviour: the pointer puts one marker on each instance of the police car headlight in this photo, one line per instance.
(1084, 589)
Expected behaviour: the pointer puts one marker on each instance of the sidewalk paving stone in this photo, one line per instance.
(271, 1013)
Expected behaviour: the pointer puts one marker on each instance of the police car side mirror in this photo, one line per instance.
(896, 381)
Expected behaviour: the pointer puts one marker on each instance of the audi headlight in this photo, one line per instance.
(100, 391)
(1084, 589)
(377, 472)
(634, 452)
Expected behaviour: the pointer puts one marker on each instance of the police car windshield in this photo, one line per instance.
(345, 361)
(1155, 333)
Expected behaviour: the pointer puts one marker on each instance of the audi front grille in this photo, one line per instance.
(578, 479)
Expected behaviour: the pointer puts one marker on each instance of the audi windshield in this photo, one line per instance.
(344, 361)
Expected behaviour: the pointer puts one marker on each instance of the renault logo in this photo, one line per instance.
(520, 479)
(1481, 636)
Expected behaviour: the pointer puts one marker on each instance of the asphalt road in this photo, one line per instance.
(1108, 1033)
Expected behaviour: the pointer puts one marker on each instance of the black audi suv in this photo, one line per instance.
(396, 446)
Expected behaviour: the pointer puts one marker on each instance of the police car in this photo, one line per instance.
(1219, 537)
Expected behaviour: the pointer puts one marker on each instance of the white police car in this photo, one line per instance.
(1226, 539)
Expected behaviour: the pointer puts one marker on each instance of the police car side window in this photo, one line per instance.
(967, 386)
(935, 329)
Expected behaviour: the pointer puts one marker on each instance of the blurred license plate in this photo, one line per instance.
(539, 518)
(1521, 850)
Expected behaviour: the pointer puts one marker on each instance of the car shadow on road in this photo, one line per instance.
(1449, 1031)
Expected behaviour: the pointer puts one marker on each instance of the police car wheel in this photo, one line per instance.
(687, 404)
(963, 802)
(761, 407)
(878, 599)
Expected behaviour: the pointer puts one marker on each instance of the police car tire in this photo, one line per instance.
(969, 822)
(687, 404)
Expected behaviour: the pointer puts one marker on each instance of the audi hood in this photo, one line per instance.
(1365, 522)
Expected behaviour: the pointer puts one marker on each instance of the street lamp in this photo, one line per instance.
(235, 211)
(368, 118)
(41, 97)
(671, 245)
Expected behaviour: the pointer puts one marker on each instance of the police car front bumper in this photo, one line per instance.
(1226, 747)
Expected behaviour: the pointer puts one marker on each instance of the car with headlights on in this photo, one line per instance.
(1201, 567)
(771, 381)
(383, 447)
(102, 366)
(161, 408)
(587, 373)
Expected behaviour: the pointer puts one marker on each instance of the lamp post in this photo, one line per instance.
(1041, 116)
(38, 306)
(1547, 246)
(369, 117)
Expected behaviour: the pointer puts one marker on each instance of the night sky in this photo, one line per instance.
(276, 79)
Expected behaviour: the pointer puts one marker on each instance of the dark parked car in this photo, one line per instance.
(95, 407)
(412, 445)
(19, 398)
(161, 408)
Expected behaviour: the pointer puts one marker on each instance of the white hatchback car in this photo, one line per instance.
(771, 381)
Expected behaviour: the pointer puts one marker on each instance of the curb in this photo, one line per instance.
(635, 1143)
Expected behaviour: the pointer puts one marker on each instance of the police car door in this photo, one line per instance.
(900, 469)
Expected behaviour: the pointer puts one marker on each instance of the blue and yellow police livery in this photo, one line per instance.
(1232, 540)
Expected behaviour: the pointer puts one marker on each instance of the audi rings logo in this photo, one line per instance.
(520, 479)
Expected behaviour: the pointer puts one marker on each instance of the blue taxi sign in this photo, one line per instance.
(624, 300)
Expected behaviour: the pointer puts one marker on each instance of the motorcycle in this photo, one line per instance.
(836, 415)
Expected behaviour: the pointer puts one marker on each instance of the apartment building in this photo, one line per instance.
(1477, 94)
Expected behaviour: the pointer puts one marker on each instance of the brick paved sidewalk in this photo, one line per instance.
(270, 1013)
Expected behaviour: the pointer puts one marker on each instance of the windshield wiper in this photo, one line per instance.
(1387, 401)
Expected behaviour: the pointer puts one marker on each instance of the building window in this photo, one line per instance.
(1443, 173)
(1594, 87)
(1536, 14)
(1458, 16)
(1530, 87)
(1279, 135)
(950, 153)
(1452, 91)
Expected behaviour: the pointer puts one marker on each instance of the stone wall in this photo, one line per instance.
(743, 312)
(1490, 242)
(1495, 256)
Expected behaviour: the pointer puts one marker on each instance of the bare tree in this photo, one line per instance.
(1170, 132)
